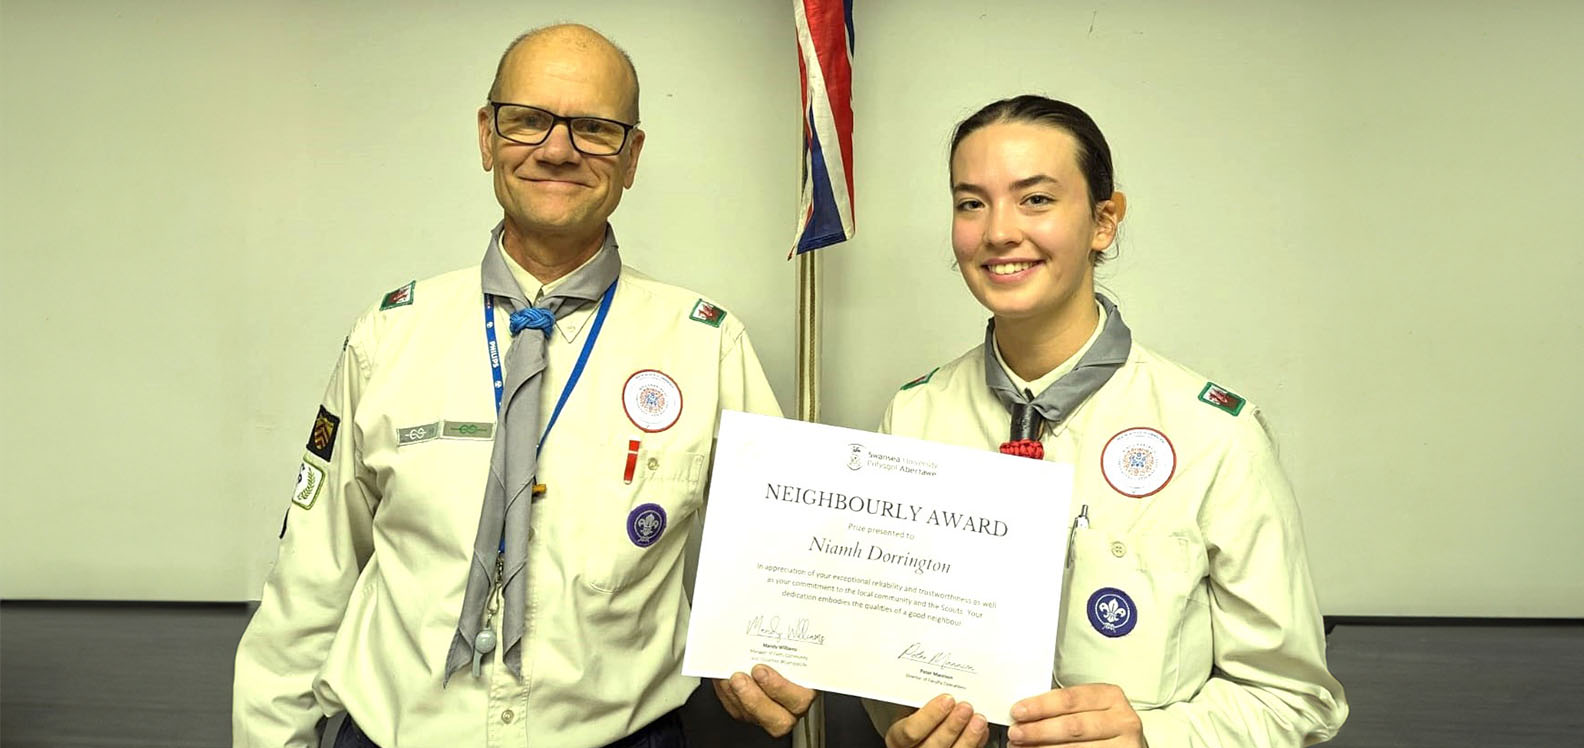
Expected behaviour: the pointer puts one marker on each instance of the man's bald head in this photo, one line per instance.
(574, 39)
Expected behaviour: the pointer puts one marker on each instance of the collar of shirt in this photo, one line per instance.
(569, 323)
(1037, 386)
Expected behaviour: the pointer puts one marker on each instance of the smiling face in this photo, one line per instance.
(551, 189)
(1023, 230)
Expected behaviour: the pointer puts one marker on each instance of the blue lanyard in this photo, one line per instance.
(577, 371)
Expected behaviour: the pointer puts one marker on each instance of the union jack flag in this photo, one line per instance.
(825, 45)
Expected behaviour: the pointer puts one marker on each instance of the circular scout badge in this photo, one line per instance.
(645, 524)
(653, 401)
(1112, 612)
(1138, 462)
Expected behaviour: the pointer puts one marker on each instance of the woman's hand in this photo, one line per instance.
(1094, 714)
(767, 699)
(942, 723)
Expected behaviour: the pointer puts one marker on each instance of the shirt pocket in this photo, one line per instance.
(1123, 611)
(641, 528)
(432, 486)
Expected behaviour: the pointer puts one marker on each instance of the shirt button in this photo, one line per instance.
(653, 463)
(1118, 549)
(507, 716)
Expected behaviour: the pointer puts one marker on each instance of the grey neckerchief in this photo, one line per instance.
(508, 491)
(1063, 396)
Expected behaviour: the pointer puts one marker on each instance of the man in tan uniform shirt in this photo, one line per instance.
(364, 600)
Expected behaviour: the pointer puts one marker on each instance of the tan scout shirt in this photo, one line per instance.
(1226, 646)
(360, 608)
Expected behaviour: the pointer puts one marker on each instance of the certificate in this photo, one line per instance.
(879, 566)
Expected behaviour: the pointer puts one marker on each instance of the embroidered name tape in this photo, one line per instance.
(445, 430)
(415, 434)
(468, 430)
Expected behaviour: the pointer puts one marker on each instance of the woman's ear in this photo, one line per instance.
(1108, 216)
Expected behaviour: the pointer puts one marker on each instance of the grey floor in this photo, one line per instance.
(92, 675)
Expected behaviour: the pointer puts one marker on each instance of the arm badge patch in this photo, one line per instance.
(321, 440)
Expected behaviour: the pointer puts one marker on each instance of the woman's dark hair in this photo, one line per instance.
(1094, 156)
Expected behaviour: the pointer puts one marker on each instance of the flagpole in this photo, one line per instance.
(808, 337)
(810, 731)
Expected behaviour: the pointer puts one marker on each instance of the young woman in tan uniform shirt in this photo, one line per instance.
(1188, 614)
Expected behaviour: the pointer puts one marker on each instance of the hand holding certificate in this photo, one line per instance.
(877, 565)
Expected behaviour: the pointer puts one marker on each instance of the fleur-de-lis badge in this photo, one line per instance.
(1112, 611)
(647, 524)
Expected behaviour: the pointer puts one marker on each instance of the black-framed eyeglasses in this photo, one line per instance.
(530, 125)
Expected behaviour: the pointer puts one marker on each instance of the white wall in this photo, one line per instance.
(1362, 216)
(199, 198)
(1359, 215)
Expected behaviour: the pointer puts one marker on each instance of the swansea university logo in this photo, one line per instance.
(855, 459)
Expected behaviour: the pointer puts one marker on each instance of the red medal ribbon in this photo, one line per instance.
(632, 461)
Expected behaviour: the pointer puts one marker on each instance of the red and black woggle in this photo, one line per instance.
(1026, 426)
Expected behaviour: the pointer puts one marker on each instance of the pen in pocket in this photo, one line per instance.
(1081, 522)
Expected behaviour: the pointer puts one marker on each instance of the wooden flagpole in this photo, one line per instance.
(810, 731)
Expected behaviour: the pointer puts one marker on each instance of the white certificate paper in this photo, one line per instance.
(879, 566)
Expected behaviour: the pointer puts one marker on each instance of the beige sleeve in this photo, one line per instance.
(742, 379)
(743, 387)
(323, 548)
(1270, 685)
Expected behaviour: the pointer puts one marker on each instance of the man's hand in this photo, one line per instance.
(767, 699)
(942, 723)
(1094, 714)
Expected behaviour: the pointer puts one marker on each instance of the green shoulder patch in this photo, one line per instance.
(707, 313)
(921, 380)
(1221, 397)
(400, 297)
